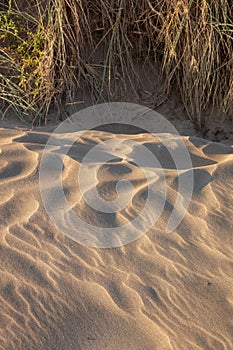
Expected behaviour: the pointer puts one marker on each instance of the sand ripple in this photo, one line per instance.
(163, 291)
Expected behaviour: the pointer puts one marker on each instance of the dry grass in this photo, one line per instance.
(100, 43)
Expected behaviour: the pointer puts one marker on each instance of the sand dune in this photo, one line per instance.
(163, 291)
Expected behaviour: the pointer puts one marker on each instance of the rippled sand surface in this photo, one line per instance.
(163, 291)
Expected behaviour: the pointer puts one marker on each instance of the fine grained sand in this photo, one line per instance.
(164, 291)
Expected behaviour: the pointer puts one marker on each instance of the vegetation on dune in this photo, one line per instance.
(49, 50)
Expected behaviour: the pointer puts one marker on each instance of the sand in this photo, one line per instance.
(163, 291)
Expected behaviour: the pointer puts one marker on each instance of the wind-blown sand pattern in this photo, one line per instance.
(164, 291)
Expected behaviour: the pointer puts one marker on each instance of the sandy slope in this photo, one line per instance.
(164, 291)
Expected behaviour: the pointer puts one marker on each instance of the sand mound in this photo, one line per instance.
(163, 291)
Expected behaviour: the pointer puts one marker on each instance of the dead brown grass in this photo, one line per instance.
(100, 43)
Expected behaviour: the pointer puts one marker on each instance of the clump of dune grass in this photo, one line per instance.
(197, 37)
(52, 49)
